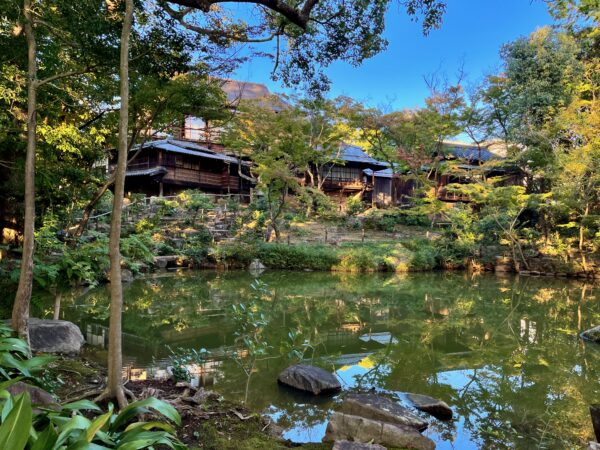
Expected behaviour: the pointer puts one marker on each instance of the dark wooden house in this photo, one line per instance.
(468, 163)
(346, 175)
(190, 156)
(169, 166)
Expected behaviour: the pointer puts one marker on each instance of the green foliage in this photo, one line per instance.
(68, 425)
(354, 205)
(357, 260)
(297, 257)
(22, 427)
(137, 247)
(15, 361)
(181, 358)
(388, 219)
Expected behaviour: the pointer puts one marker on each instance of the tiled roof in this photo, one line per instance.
(385, 173)
(147, 172)
(468, 152)
(189, 148)
(352, 153)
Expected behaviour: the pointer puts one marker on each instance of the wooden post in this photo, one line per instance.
(363, 235)
(595, 413)
(288, 239)
(325, 234)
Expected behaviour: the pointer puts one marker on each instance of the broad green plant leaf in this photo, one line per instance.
(144, 406)
(14, 431)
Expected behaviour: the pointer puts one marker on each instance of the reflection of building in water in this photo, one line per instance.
(384, 338)
(528, 330)
(207, 373)
(96, 335)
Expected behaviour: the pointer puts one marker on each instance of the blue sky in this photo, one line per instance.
(471, 35)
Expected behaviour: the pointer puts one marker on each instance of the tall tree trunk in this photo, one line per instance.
(582, 237)
(114, 388)
(20, 312)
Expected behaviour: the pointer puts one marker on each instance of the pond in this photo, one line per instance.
(503, 352)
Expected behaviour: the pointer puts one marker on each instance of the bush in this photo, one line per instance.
(197, 245)
(387, 220)
(424, 258)
(235, 254)
(354, 205)
(280, 256)
(65, 426)
(358, 260)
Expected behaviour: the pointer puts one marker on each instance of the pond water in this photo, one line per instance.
(503, 352)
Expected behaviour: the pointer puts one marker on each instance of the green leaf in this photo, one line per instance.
(14, 345)
(38, 362)
(74, 427)
(97, 425)
(14, 431)
(147, 426)
(145, 439)
(143, 406)
(9, 383)
(46, 439)
(81, 405)
(8, 360)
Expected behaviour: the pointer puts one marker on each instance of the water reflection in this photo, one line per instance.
(503, 352)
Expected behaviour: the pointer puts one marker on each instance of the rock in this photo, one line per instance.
(256, 268)
(594, 446)
(275, 430)
(347, 445)
(126, 276)
(437, 408)
(256, 265)
(161, 262)
(592, 335)
(39, 397)
(354, 428)
(55, 336)
(309, 379)
(383, 409)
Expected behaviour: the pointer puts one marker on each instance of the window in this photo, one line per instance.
(343, 174)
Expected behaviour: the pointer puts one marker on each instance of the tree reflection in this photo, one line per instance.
(503, 352)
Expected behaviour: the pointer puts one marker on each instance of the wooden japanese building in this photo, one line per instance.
(169, 166)
(345, 176)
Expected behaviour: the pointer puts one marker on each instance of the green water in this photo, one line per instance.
(503, 352)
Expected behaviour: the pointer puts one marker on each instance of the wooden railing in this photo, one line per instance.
(449, 196)
(199, 177)
(344, 184)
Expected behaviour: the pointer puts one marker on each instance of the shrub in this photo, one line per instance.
(291, 257)
(354, 205)
(236, 254)
(387, 220)
(425, 258)
(65, 426)
(197, 245)
(137, 247)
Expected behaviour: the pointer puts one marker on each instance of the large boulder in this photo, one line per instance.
(377, 407)
(348, 445)
(309, 379)
(359, 429)
(437, 408)
(592, 335)
(55, 336)
(39, 397)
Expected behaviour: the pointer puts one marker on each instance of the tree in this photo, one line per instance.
(308, 35)
(275, 135)
(115, 388)
(540, 77)
(63, 53)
